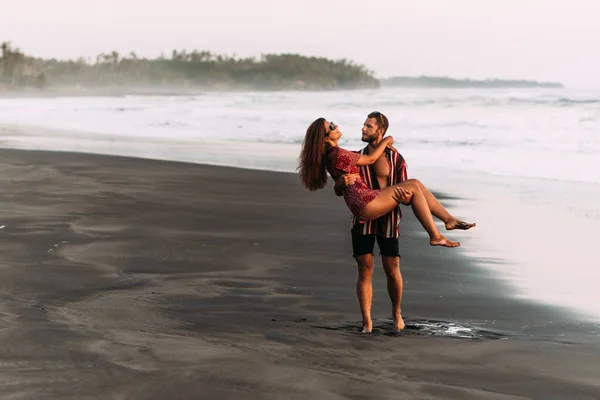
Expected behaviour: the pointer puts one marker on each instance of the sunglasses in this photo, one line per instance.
(331, 126)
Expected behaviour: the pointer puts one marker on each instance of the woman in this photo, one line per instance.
(321, 154)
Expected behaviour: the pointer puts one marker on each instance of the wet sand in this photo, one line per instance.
(125, 278)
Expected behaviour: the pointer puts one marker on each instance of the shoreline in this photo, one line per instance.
(477, 258)
(413, 226)
(128, 277)
(490, 240)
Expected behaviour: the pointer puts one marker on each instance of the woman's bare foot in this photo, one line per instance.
(398, 323)
(443, 241)
(458, 224)
(367, 327)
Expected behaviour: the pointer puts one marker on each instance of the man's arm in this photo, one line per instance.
(402, 196)
(343, 182)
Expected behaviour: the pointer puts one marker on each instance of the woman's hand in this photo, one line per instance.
(369, 159)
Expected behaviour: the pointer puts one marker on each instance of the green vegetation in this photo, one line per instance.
(443, 82)
(205, 70)
(196, 69)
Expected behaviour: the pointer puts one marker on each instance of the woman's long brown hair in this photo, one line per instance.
(313, 171)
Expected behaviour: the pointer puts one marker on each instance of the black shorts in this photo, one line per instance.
(365, 244)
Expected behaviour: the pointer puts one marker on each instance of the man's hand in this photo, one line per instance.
(349, 179)
(343, 182)
(402, 196)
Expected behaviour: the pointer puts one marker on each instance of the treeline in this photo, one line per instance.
(443, 82)
(198, 69)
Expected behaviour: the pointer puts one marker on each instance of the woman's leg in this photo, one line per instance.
(438, 210)
(385, 202)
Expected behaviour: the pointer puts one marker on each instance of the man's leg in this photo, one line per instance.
(390, 258)
(364, 289)
(362, 247)
(391, 266)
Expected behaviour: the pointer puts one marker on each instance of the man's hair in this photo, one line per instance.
(382, 120)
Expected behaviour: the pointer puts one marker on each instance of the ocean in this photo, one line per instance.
(525, 161)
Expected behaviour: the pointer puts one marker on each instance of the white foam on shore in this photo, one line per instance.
(261, 156)
(538, 130)
(547, 253)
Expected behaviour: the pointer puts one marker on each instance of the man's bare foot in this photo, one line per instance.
(458, 224)
(443, 241)
(367, 327)
(398, 323)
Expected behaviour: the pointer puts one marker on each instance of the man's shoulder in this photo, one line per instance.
(396, 154)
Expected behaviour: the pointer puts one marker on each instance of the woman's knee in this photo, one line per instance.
(414, 186)
(413, 182)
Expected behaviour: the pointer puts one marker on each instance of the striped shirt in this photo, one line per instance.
(386, 225)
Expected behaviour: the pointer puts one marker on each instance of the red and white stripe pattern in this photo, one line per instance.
(387, 225)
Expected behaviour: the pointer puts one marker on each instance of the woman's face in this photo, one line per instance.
(332, 130)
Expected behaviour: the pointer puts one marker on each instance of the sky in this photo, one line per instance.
(545, 40)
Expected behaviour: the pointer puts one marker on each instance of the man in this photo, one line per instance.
(389, 169)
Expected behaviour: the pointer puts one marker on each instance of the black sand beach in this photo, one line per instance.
(136, 279)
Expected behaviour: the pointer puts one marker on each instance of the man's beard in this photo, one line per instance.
(369, 139)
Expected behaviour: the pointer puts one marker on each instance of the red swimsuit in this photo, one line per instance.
(357, 196)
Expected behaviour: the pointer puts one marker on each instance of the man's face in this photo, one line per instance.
(370, 131)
